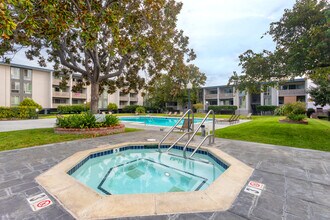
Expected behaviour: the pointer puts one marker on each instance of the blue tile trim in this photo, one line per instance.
(138, 147)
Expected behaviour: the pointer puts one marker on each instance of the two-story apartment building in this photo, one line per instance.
(19, 81)
(291, 91)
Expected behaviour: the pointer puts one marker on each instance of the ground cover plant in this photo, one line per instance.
(266, 129)
(35, 137)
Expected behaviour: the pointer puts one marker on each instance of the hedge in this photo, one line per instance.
(130, 108)
(266, 108)
(23, 112)
(223, 108)
(66, 109)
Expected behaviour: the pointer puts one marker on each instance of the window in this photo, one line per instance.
(60, 101)
(226, 102)
(267, 92)
(15, 101)
(228, 90)
(213, 102)
(27, 74)
(15, 73)
(27, 88)
(213, 92)
(242, 103)
(122, 94)
(268, 100)
(15, 87)
(301, 98)
(281, 100)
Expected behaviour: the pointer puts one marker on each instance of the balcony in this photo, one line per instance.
(61, 94)
(226, 95)
(292, 92)
(133, 98)
(56, 81)
(79, 95)
(55, 105)
(123, 98)
(211, 96)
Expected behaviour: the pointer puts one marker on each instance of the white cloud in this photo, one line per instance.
(220, 30)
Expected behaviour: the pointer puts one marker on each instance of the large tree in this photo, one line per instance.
(302, 40)
(107, 42)
(173, 88)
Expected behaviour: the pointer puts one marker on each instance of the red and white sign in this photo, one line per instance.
(41, 204)
(39, 201)
(256, 185)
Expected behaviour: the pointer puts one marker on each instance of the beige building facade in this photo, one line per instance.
(18, 82)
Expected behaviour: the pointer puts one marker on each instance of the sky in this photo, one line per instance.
(219, 31)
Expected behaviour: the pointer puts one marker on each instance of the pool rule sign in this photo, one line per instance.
(254, 188)
(39, 201)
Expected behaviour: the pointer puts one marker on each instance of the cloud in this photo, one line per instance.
(220, 30)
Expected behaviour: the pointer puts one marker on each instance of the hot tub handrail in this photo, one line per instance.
(195, 132)
(176, 124)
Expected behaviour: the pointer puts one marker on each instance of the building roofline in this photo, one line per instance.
(26, 67)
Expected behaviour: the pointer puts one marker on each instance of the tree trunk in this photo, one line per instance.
(94, 97)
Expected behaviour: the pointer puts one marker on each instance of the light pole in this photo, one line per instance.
(189, 87)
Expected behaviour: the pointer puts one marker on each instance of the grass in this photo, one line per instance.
(27, 138)
(267, 129)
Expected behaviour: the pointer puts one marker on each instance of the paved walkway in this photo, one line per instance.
(297, 181)
(26, 124)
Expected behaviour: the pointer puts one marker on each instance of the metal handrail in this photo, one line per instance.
(170, 131)
(179, 139)
(200, 144)
(188, 142)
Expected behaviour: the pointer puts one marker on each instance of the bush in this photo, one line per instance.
(266, 108)
(111, 120)
(23, 112)
(198, 106)
(279, 110)
(152, 109)
(140, 109)
(296, 117)
(31, 103)
(309, 112)
(222, 109)
(85, 120)
(67, 109)
(296, 108)
(112, 107)
(130, 108)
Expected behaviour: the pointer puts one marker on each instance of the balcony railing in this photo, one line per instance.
(123, 98)
(292, 92)
(56, 81)
(79, 95)
(134, 98)
(211, 96)
(61, 94)
(226, 95)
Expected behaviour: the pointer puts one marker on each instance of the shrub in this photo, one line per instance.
(309, 112)
(23, 112)
(85, 120)
(297, 108)
(266, 108)
(223, 108)
(152, 109)
(130, 108)
(67, 109)
(198, 106)
(112, 107)
(31, 103)
(296, 117)
(279, 110)
(140, 109)
(111, 120)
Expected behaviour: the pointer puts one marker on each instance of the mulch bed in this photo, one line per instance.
(95, 131)
(288, 121)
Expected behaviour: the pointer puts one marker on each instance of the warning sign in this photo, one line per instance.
(256, 185)
(252, 190)
(39, 201)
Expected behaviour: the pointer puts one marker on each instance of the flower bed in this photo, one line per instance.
(288, 121)
(94, 131)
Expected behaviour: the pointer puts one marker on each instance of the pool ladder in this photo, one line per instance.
(190, 138)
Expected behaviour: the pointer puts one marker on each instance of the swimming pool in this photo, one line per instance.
(156, 121)
(142, 169)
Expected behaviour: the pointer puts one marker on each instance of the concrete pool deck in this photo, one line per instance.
(297, 180)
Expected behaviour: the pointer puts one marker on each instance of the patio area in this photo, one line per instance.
(297, 180)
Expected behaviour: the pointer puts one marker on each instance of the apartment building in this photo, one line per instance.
(19, 81)
(291, 91)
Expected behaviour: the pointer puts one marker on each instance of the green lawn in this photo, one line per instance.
(34, 137)
(263, 129)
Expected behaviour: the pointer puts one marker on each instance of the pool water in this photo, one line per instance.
(157, 121)
(136, 171)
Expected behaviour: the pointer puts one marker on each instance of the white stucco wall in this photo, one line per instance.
(4, 85)
(40, 88)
